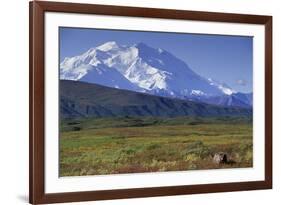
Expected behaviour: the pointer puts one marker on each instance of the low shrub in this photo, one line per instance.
(153, 146)
(197, 149)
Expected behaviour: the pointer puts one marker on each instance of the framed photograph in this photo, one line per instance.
(138, 102)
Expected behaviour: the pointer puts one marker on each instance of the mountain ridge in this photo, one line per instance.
(81, 99)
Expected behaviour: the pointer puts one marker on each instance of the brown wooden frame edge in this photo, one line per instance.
(37, 9)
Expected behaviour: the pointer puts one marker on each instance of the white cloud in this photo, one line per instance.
(241, 82)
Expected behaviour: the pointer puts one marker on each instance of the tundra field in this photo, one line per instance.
(98, 146)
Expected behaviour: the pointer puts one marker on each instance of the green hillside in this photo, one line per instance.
(79, 99)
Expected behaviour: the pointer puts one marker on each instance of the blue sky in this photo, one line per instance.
(228, 59)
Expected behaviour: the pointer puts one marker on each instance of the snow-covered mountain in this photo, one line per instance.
(222, 86)
(244, 100)
(140, 68)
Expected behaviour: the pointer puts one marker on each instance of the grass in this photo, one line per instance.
(131, 145)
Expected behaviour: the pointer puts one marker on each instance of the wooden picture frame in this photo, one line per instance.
(37, 98)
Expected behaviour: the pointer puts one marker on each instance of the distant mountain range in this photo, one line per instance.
(144, 69)
(244, 100)
(80, 99)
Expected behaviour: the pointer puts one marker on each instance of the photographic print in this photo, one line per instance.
(144, 101)
(128, 102)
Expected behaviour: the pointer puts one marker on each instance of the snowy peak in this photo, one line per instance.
(108, 46)
(222, 86)
(139, 68)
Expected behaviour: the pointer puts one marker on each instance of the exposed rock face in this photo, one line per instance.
(220, 158)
